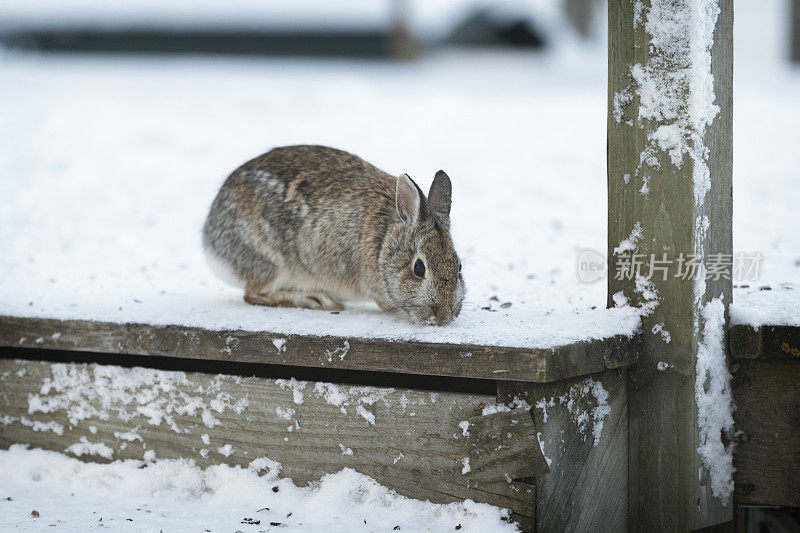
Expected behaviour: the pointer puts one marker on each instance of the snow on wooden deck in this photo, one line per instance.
(109, 166)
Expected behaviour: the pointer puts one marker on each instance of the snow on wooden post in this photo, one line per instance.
(669, 209)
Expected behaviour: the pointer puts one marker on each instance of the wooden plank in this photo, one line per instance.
(502, 446)
(744, 342)
(466, 361)
(586, 489)
(652, 193)
(767, 458)
(765, 342)
(405, 439)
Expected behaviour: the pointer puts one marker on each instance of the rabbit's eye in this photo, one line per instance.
(419, 268)
(459, 266)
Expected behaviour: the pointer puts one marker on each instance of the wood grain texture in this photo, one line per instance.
(765, 342)
(767, 457)
(314, 429)
(665, 492)
(466, 361)
(586, 489)
(502, 446)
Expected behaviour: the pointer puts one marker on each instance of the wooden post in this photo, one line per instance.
(580, 14)
(404, 46)
(795, 31)
(659, 203)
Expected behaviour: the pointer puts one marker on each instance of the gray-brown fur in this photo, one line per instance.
(307, 225)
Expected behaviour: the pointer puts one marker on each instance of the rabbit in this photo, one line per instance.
(308, 226)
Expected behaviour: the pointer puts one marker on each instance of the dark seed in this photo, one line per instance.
(505, 305)
(458, 526)
(395, 528)
(275, 524)
(275, 489)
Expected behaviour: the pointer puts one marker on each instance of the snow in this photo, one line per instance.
(78, 390)
(766, 305)
(628, 244)
(297, 388)
(176, 495)
(658, 329)
(84, 447)
(680, 63)
(280, 344)
(345, 450)
(226, 450)
(541, 447)
(121, 212)
(120, 209)
(464, 425)
(714, 401)
(587, 405)
(578, 402)
(495, 408)
(465, 468)
(286, 413)
(368, 416)
(38, 425)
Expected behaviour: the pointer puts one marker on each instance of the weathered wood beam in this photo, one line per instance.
(662, 207)
(585, 440)
(502, 446)
(767, 457)
(405, 439)
(765, 342)
(404, 357)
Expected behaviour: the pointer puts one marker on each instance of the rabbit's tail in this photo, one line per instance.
(221, 268)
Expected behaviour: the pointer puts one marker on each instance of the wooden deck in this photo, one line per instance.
(766, 387)
(411, 440)
(421, 358)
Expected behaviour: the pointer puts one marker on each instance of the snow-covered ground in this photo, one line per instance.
(110, 165)
(42, 490)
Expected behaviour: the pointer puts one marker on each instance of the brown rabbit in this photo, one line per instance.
(304, 226)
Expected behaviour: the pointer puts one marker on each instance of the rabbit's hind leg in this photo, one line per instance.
(308, 300)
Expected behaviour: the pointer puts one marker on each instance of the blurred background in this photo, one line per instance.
(374, 29)
(120, 119)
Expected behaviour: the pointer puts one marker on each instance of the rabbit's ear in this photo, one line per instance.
(408, 200)
(439, 196)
